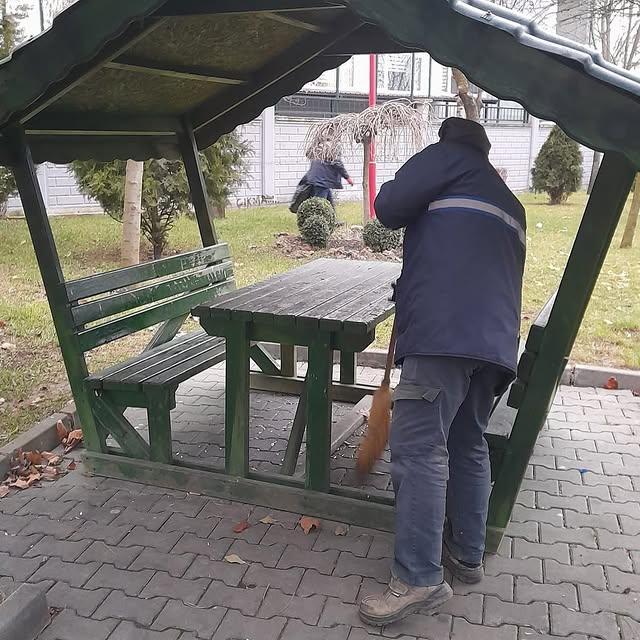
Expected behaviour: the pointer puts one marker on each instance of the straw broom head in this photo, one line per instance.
(377, 435)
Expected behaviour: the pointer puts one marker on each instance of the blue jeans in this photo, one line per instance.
(440, 462)
(323, 192)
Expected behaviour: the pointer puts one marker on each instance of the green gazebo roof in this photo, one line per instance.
(117, 79)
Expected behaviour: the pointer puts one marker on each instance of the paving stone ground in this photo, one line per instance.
(123, 561)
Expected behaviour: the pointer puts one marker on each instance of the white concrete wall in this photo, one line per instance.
(514, 148)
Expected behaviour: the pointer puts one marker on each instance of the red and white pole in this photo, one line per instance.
(373, 94)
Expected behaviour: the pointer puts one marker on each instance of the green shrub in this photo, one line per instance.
(317, 207)
(316, 231)
(378, 238)
(558, 167)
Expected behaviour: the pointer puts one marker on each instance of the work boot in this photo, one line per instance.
(463, 571)
(400, 600)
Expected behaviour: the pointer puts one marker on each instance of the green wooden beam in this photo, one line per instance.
(343, 505)
(174, 71)
(100, 124)
(294, 444)
(206, 7)
(294, 22)
(44, 246)
(204, 116)
(598, 225)
(197, 185)
(264, 360)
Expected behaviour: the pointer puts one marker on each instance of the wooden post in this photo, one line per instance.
(594, 237)
(197, 185)
(44, 246)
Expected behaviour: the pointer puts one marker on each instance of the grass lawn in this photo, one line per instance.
(32, 379)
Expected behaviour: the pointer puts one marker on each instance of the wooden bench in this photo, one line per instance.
(118, 303)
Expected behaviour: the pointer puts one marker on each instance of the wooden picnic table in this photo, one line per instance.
(326, 305)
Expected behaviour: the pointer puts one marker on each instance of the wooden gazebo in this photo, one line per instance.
(164, 78)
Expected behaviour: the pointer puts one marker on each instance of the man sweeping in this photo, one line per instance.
(458, 305)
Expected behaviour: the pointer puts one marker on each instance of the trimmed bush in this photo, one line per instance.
(317, 207)
(378, 238)
(558, 167)
(316, 231)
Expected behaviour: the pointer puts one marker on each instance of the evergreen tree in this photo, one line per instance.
(558, 167)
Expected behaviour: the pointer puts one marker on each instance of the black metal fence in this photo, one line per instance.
(314, 105)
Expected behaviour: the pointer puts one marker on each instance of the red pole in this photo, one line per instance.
(373, 92)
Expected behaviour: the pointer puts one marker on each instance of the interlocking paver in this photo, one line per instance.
(188, 505)
(435, 627)
(525, 514)
(119, 557)
(129, 631)
(556, 573)
(140, 536)
(246, 599)
(203, 567)
(467, 606)
(214, 549)
(267, 556)
(527, 592)
(67, 625)
(66, 550)
(594, 601)
(630, 526)
(162, 584)
(565, 622)
(202, 622)
(344, 588)
(11, 504)
(224, 509)
(381, 547)
(580, 535)
(83, 601)
(135, 518)
(530, 567)
(18, 545)
(576, 520)
(286, 580)
(70, 572)
(614, 557)
(277, 534)
(307, 609)
(629, 628)
(350, 565)
(526, 530)
(631, 509)
(356, 543)
(607, 540)
(174, 564)
(575, 503)
(322, 561)
(140, 499)
(500, 586)
(235, 625)
(253, 535)
(295, 630)
(44, 507)
(46, 526)
(199, 526)
(463, 630)
(131, 582)
(106, 533)
(497, 613)
(19, 569)
(523, 549)
(83, 511)
(142, 611)
(619, 581)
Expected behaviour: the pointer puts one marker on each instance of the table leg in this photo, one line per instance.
(236, 421)
(297, 434)
(288, 360)
(319, 413)
(348, 364)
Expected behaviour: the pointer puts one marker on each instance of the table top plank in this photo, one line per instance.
(325, 292)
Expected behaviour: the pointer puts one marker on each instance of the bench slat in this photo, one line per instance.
(127, 300)
(119, 278)
(539, 325)
(122, 327)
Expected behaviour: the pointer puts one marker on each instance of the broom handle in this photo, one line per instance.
(390, 355)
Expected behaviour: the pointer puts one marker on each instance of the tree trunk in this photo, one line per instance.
(219, 210)
(595, 166)
(3, 208)
(470, 103)
(366, 210)
(130, 250)
(632, 218)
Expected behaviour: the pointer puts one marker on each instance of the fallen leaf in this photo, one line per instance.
(241, 526)
(51, 458)
(73, 440)
(612, 383)
(4, 489)
(50, 473)
(72, 465)
(234, 559)
(20, 483)
(341, 530)
(308, 524)
(62, 430)
(268, 520)
(34, 457)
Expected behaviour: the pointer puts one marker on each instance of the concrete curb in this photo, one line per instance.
(43, 436)
(24, 614)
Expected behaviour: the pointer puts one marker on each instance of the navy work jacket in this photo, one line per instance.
(326, 175)
(460, 292)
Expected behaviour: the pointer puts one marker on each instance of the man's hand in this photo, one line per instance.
(350, 181)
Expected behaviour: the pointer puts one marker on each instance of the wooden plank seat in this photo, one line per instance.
(505, 409)
(119, 303)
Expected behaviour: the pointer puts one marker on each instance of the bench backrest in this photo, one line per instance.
(117, 303)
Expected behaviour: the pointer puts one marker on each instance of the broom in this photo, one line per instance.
(377, 434)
